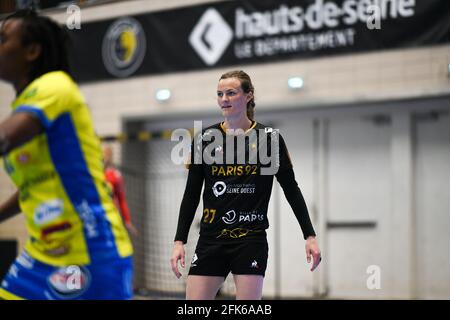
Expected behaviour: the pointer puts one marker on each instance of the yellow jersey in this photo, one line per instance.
(70, 215)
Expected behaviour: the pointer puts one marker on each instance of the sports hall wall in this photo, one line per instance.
(369, 135)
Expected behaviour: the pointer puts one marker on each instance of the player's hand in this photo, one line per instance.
(312, 249)
(177, 254)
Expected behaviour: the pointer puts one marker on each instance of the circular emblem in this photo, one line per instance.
(23, 157)
(69, 282)
(124, 47)
(219, 188)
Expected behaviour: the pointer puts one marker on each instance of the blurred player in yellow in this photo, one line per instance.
(78, 246)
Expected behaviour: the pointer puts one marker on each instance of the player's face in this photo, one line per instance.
(231, 98)
(107, 155)
(13, 55)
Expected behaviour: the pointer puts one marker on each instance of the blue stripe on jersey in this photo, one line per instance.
(69, 162)
(37, 112)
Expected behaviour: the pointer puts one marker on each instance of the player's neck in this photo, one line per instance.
(237, 123)
(20, 84)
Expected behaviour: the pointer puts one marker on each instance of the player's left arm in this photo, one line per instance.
(119, 187)
(17, 129)
(120, 190)
(286, 178)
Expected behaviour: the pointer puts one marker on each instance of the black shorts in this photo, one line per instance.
(218, 259)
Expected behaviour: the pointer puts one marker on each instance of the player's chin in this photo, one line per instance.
(227, 111)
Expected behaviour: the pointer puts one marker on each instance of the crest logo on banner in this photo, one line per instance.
(124, 46)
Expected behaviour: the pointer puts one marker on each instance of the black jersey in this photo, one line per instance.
(238, 172)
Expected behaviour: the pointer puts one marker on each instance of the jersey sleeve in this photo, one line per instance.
(292, 192)
(189, 205)
(192, 193)
(194, 162)
(284, 157)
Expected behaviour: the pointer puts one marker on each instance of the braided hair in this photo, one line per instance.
(52, 38)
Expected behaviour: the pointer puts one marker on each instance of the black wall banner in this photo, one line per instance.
(231, 33)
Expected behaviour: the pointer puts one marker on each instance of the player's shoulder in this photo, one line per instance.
(208, 131)
(56, 85)
(56, 81)
(261, 126)
(269, 130)
(211, 128)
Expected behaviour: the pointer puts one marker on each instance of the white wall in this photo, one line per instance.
(432, 207)
(339, 79)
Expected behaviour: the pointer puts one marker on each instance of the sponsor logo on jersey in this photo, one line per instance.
(59, 251)
(234, 170)
(25, 261)
(13, 271)
(245, 188)
(89, 220)
(230, 217)
(69, 282)
(219, 188)
(48, 212)
(250, 216)
(63, 226)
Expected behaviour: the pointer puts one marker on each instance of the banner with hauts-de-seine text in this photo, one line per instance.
(231, 33)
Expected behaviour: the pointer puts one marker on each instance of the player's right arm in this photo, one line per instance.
(18, 129)
(14, 131)
(188, 207)
(10, 207)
